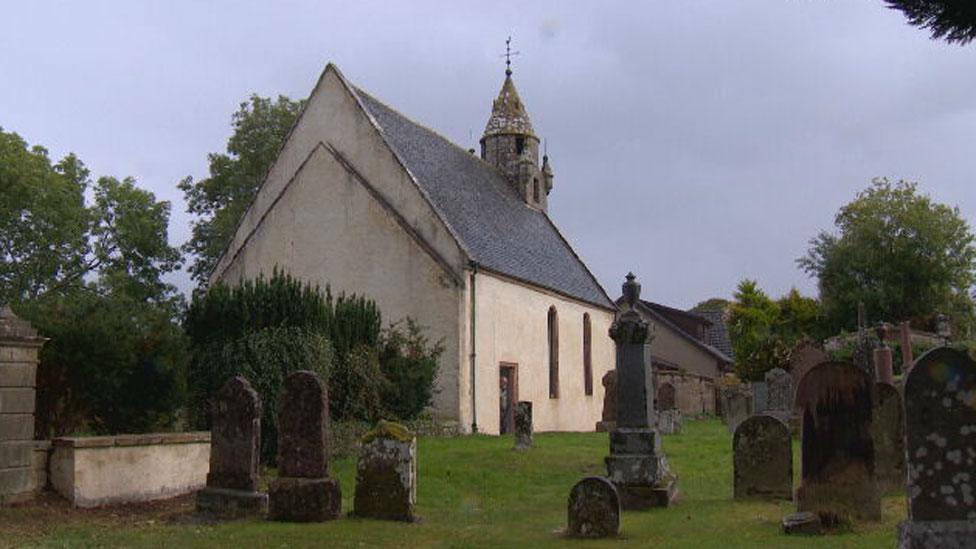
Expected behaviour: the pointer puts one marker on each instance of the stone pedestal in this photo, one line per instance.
(298, 499)
(228, 504)
(638, 468)
(802, 523)
(19, 347)
(937, 534)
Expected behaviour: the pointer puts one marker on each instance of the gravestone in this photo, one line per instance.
(608, 420)
(670, 422)
(762, 451)
(636, 464)
(19, 348)
(888, 432)
(759, 397)
(666, 397)
(235, 442)
(802, 523)
(940, 412)
(594, 509)
(737, 403)
(386, 474)
(883, 368)
(303, 491)
(804, 356)
(523, 425)
(837, 464)
(779, 393)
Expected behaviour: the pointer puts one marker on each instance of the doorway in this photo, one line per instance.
(507, 397)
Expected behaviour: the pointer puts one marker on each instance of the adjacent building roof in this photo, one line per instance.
(661, 313)
(717, 334)
(491, 222)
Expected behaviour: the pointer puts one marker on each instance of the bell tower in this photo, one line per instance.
(510, 144)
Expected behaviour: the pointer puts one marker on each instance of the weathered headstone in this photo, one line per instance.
(883, 368)
(804, 356)
(235, 442)
(386, 474)
(19, 348)
(759, 397)
(737, 404)
(594, 509)
(670, 422)
(608, 419)
(779, 393)
(940, 412)
(303, 491)
(838, 470)
(523, 425)
(888, 432)
(666, 397)
(636, 464)
(762, 455)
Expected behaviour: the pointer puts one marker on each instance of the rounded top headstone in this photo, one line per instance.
(594, 509)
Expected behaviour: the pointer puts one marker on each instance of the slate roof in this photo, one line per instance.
(491, 222)
(651, 309)
(717, 335)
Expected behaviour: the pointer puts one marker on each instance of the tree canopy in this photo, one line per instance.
(218, 201)
(902, 254)
(951, 20)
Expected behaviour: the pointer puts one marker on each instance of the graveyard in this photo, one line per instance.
(477, 492)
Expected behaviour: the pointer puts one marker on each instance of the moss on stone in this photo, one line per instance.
(388, 429)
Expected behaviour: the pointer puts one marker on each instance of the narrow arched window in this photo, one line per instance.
(553, 353)
(535, 189)
(519, 145)
(587, 356)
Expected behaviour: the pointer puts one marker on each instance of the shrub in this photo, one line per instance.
(409, 363)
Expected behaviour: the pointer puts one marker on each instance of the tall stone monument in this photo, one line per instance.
(940, 413)
(235, 444)
(19, 347)
(837, 465)
(303, 491)
(636, 464)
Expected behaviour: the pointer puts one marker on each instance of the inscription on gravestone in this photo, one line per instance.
(762, 459)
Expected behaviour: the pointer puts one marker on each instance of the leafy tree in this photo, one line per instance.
(113, 365)
(219, 201)
(752, 319)
(951, 20)
(799, 317)
(52, 243)
(903, 255)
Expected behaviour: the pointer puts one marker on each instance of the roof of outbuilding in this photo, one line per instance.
(717, 335)
(490, 221)
(651, 309)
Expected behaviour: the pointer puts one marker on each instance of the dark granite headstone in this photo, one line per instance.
(523, 425)
(888, 432)
(608, 420)
(666, 397)
(636, 464)
(940, 423)
(762, 455)
(303, 492)
(386, 474)
(235, 443)
(594, 509)
(838, 470)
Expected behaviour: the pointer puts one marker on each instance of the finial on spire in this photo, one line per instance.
(508, 56)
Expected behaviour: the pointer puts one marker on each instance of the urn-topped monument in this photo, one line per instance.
(636, 464)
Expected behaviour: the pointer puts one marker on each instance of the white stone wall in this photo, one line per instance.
(94, 471)
(512, 327)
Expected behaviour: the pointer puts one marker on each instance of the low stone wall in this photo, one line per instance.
(94, 471)
(694, 394)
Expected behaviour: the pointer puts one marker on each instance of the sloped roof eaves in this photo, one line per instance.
(695, 341)
(718, 334)
(488, 219)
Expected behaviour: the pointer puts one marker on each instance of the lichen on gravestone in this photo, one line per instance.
(388, 429)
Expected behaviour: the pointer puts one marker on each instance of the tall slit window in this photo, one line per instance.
(587, 356)
(553, 353)
(519, 145)
(535, 189)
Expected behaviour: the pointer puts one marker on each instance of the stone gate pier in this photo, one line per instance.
(19, 348)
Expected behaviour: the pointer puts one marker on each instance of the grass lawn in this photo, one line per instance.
(474, 491)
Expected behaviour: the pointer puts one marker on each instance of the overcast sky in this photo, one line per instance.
(695, 143)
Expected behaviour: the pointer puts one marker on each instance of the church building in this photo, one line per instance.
(370, 202)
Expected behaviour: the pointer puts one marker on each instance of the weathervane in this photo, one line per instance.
(508, 56)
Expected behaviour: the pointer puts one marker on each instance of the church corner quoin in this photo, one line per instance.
(446, 239)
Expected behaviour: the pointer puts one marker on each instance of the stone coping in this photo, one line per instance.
(149, 439)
